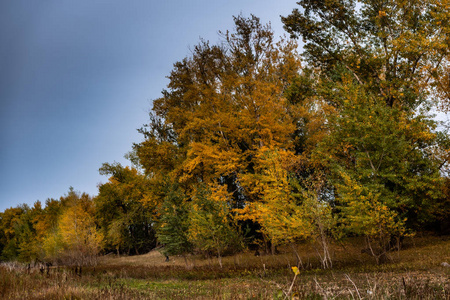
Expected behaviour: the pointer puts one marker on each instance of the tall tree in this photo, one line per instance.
(386, 149)
(223, 104)
(398, 50)
(375, 69)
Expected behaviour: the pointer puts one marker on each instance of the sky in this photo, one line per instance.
(77, 79)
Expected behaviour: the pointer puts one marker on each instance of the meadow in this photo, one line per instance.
(417, 271)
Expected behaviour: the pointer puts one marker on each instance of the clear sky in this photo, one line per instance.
(77, 78)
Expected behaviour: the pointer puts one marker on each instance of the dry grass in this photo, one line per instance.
(414, 273)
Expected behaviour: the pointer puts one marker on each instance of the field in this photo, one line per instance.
(415, 272)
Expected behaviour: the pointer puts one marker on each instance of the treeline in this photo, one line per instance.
(254, 144)
(64, 231)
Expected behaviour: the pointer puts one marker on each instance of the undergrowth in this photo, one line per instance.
(413, 273)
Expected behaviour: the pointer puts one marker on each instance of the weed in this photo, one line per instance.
(415, 273)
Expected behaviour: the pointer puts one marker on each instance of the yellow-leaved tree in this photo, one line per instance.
(211, 228)
(75, 240)
(292, 209)
(365, 213)
(224, 103)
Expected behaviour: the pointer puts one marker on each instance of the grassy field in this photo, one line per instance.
(415, 272)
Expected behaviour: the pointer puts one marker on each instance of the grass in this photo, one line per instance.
(415, 272)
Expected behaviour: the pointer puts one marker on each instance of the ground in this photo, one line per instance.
(417, 271)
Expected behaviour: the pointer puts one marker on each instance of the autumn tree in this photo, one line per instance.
(291, 209)
(123, 212)
(79, 235)
(76, 239)
(380, 161)
(373, 70)
(366, 213)
(211, 227)
(46, 222)
(398, 50)
(24, 230)
(223, 104)
(8, 222)
(28, 243)
(18, 233)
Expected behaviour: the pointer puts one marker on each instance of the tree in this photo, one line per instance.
(366, 213)
(46, 223)
(126, 219)
(172, 231)
(29, 248)
(373, 71)
(387, 147)
(223, 104)
(442, 212)
(75, 239)
(398, 50)
(211, 228)
(291, 209)
(386, 155)
(9, 220)
(79, 234)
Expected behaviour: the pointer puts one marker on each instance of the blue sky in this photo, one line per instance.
(77, 79)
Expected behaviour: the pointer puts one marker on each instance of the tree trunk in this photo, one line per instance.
(219, 257)
(299, 259)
